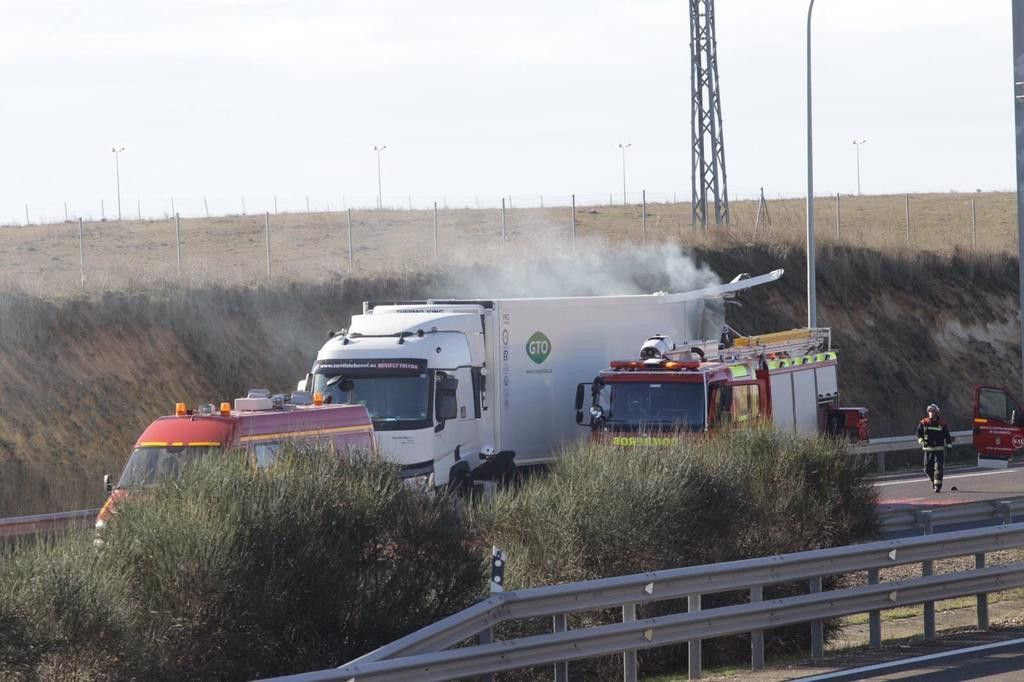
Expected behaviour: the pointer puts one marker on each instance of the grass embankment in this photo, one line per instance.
(237, 573)
(309, 247)
(82, 377)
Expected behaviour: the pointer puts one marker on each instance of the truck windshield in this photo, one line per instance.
(394, 402)
(153, 464)
(660, 406)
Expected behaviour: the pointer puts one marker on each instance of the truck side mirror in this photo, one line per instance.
(444, 399)
(108, 483)
(305, 384)
(580, 393)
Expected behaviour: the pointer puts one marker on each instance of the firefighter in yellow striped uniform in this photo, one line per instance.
(933, 435)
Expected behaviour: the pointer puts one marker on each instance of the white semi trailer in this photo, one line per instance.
(458, 388)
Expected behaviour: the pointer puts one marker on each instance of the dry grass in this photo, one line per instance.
(44, 259)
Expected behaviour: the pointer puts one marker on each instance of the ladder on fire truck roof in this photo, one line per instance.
(792, 343)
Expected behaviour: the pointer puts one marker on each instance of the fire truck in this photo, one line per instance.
(788, 378)
(260, 424)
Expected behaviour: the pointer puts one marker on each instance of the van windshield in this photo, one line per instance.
(153, 464)
(394, 402)
(658, 406)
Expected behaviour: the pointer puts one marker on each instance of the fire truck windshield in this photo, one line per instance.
(152, 464)
(394, 402)
(660, 406)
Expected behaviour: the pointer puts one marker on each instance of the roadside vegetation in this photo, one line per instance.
(237, 573)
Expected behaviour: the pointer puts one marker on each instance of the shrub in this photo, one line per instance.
(606, 510)
(238, 573)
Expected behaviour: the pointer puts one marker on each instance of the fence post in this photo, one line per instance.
(267, 215)
(643, 214)
(874, 617)
(177, 240)
(206, 207)
(435, 230)
(561, 624)
(629, 656)
(927, 568)
(817, 626)
(103, 211)
(307, 204)
(81, 250)
(139, 207)
(243, 205)
(173, 211)
(757, 636)
(837, 215)
(693, 662)
(979, 562)
(65, 211)
(349, 212)
(907, 197)
(542, 201)
(503, 237)
(574, 223)
(974, 225)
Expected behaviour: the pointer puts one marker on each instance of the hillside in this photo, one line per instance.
(81, 376)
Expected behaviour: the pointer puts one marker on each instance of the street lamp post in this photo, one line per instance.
(623, 147)
(380, 197)
(812, 316)
(857, 144)
(117, 174)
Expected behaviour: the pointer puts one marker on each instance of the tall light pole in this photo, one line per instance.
(857, 144)
(117, 173)
(812, 314)
(380, 198)
(624, 147)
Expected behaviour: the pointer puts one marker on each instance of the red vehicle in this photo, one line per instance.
(789, 378)
(260, 424)
(998, 426)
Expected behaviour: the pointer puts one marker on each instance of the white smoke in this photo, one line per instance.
(594, 268)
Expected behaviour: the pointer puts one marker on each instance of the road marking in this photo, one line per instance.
(947, 478)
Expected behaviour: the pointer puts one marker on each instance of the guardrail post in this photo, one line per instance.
(927, 568)
(874, 617)
(486, 637)
(1006, 511)
(629, 655)
(979, 562)
(561, 624)
(880, 462)
(693, 662)
(817, 626)
(757, 636)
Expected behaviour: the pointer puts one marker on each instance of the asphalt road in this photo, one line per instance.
(958, 486)
(1004, 661)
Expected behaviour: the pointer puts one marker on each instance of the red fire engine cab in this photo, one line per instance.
(789, 378)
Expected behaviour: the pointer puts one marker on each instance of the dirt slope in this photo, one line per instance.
(79, 378)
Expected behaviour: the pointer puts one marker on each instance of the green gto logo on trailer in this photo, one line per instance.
(538, 347)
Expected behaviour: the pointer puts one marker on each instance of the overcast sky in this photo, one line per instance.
(225, 98)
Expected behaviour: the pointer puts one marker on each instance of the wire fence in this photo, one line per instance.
(300, 240)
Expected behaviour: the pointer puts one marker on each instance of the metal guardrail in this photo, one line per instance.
(896, 443)
(46, 523)
(426, 654)
(902, 520)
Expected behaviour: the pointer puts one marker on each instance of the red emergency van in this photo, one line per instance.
(259, 424)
